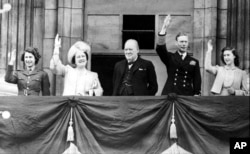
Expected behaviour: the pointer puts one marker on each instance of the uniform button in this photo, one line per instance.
(186, 72)
(27, 88)
(185, 76)
(28, 82)
(184, 85)
(28, 77)
(175, 79)
(176, 74)
(177, 70)
(174, 83)
(184, 81)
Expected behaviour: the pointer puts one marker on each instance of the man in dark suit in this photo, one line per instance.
(134, 75)
(183, 71)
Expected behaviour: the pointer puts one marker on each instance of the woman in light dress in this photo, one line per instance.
(229, 78)
(78, 80)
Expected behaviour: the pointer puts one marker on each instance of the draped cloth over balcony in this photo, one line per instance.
(118, 125)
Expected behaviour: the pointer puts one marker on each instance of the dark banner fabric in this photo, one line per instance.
(121, 125)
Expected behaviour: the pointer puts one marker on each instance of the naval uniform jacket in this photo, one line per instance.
(184, 76)
(29, 83)
(143, 77)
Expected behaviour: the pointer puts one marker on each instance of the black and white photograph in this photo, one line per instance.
(124, 76)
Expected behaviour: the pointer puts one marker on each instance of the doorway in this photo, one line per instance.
(104, 66)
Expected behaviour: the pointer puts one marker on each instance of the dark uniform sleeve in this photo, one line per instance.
(197, 79)
(45, 85)
(152, 81)
(161, 49)
(10, 76)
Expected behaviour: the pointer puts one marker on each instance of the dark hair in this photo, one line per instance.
(236, 59)
(34, 52)
(181, 34)
(73, 61)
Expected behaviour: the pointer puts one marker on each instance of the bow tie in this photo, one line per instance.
(131, 63)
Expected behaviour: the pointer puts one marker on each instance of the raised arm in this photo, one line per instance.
(9, 76)
(161, 48)
(55, 63)
(208, 64)
(165, 25)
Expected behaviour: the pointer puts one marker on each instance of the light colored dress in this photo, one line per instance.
(227, 78)
(77, 82)
(246, 83)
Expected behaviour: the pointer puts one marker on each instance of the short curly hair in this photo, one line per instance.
(34, 52)
(73, 61)
(236, 59)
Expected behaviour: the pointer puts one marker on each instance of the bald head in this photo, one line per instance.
(133, 42)
(131, 50)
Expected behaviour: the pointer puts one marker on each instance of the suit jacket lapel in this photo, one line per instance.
(186, 60)
(136, 65)
(122, 70)
(177, 58)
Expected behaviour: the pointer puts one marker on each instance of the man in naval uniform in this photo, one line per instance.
(183, 71)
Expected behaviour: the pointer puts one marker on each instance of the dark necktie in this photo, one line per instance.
(30, 69)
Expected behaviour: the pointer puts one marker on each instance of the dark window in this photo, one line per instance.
(140, 28)
(104, 66)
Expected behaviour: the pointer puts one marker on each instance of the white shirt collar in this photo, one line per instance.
(184, 54)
